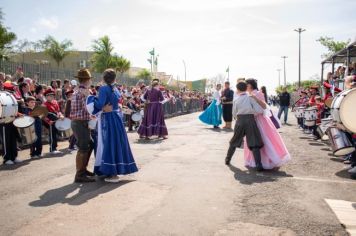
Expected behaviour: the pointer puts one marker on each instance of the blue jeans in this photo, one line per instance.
(285, 110)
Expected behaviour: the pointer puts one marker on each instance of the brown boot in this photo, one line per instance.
(80, 176)
(87, 172)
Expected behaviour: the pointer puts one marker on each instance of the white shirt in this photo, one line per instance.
(244, 104)
(217, 96)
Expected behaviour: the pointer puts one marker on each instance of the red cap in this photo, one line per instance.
(49, 92)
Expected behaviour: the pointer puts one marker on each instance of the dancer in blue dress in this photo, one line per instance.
(212, 115)
(113, 154)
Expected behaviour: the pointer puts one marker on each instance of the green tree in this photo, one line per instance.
(103, 54)
(6, 38)
(58, 50)
(144, 74)
(332, 45)
(121, 64)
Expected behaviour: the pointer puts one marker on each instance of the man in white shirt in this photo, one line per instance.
(244, 109)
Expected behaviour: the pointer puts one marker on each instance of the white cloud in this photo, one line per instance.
(50, 23)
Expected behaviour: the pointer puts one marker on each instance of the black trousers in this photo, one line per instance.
(9, 137)
(246, 126)
(53, 132)
(227, 112)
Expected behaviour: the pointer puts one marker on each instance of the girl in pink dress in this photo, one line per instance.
(274, 153)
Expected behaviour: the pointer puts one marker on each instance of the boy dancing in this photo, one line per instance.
(244, 108)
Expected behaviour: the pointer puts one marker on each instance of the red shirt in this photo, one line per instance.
(320, 107)
(52, 107)
(78, 110)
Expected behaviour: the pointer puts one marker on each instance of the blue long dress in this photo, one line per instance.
(212, 114)
(113, 155)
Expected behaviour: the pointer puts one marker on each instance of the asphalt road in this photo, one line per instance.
(182, 188)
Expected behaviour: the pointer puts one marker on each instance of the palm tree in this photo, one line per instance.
(121, 64)
(102, 58)
(144, 74)
(57, 50)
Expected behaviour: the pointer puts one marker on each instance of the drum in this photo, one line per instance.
(26, 128)
(323, 127)
(340, 143)
(64, 127)
(39, 111)
(92, 124)
(328, 102)
(310, 116)
(299, 112)
(8, 107)
(136, 116)
(343, 109)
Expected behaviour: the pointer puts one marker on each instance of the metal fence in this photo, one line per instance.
(46, 74)
(179, 107)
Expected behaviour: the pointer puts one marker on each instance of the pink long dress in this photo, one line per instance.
(274, 152)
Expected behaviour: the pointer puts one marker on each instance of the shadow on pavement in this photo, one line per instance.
(337, 159)
(343, 174)
(148, 141)
(317, 144)
(84, 192)
(251, 176)
(16, 166)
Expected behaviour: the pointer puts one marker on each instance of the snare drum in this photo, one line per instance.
(8, 107)
(26, 128)
(343, 109)
(299, 112)
(340, 143)
(92, 124)
(310, 116)
(64, 127)
(136, 116)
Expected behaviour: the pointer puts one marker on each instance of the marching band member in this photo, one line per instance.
(131, 104)
(9, 135)
(54, 114)
(36, 147)
(320, 111)
(302, 102)
(67, 107)
(313, 91)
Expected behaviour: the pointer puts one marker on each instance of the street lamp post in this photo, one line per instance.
(284, 70)
(299, 30)
(279, 77)
(185, 71)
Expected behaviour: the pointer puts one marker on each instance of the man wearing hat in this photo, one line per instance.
(80, 118)
(54, 114)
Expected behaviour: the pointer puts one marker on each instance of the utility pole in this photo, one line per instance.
(284, 70)
(279, 77)
(185, 72)
(299, 30)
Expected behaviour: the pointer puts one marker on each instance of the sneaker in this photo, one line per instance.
(9, 162)
(56, 152)
(17, 161)
(113, 179)
(35, 157)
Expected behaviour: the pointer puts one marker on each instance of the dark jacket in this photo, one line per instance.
(284, 99)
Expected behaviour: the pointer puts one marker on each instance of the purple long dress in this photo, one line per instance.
(153, 120)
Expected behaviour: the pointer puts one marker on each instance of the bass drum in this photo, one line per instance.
(343, 109)
(8, 107)
(26, 128)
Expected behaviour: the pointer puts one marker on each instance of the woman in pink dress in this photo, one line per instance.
(274, 152)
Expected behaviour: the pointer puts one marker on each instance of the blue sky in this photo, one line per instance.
(249, 36)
